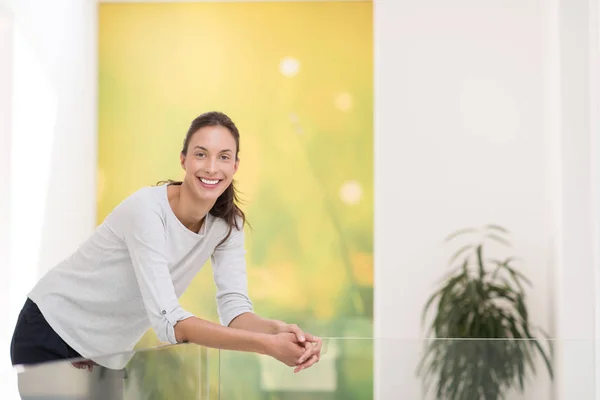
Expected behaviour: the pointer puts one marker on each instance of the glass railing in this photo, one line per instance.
(440, 369)
(168, 372)
(349, 369)
(345, 371)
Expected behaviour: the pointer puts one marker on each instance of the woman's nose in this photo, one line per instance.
(210, 166)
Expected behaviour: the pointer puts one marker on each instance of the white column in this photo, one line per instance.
(52, 172)
(7, 385)
(576, 217)
(594, 45)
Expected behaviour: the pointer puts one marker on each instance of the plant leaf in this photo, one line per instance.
(497, 228)
(459, 232)
(497, 238)
(458, 253)
(480, 261)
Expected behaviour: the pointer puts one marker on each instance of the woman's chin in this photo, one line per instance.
(208, 195)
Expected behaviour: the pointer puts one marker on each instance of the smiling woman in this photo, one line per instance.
(128, 276)
(210, 158)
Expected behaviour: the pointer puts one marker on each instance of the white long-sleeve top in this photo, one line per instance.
(128, 276)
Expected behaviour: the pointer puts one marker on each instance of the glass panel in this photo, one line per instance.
(169, 372)
(345, 371)
(353, 369)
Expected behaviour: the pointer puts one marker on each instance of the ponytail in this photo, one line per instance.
(226, 207)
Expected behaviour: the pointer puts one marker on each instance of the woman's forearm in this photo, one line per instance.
(254, 323)
(205, 333)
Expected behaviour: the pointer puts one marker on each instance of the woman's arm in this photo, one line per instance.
(282, 347)
(312, 345)
(235, 307)
(209, 334)
(229, 272)
(146, 243)
(251, 322)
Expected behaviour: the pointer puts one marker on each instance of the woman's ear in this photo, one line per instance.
(182, 160)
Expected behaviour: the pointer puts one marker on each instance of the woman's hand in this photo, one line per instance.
(282, 327)
(312, 353)
(285, 348)
(312, 344)
(85, 364)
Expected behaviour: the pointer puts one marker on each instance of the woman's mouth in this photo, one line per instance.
(209, 183)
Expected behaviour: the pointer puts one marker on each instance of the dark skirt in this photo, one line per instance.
(34, 341)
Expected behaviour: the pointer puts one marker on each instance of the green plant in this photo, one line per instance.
(482, 340)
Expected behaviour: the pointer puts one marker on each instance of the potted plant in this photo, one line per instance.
(482, 340)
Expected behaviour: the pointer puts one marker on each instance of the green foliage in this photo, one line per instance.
(483, 342)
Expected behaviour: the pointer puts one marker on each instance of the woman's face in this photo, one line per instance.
(210, 162)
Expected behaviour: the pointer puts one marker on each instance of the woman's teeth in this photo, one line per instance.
(209, 182)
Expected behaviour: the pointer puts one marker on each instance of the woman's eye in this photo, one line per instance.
(199, 154)
(225, 157)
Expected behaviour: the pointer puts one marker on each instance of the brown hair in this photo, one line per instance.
(226, 205)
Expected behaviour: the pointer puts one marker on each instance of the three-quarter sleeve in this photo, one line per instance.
(145, 237)
(229, 271)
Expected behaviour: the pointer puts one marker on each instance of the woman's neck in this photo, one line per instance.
(189, 210)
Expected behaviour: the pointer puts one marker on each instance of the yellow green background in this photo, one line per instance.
(306, 171)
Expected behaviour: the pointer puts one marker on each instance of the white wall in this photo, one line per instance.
(482, 116)
(52, 133)
(5, 113)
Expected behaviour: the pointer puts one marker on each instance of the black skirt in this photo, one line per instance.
(34, 341)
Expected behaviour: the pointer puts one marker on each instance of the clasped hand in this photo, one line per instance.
(304, 349)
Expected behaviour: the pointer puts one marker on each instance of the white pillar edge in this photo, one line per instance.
(594, 48)
(5, 144)
(575, 208)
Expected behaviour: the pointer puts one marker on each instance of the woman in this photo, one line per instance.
(127, 277)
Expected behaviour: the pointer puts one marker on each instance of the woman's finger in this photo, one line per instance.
(319, 347)
(309, 363)
(311, 338)
(312, 348)
(295, 329)
(89, 365)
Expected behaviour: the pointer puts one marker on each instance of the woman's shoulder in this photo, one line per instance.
(149, 199)
(154, 194)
